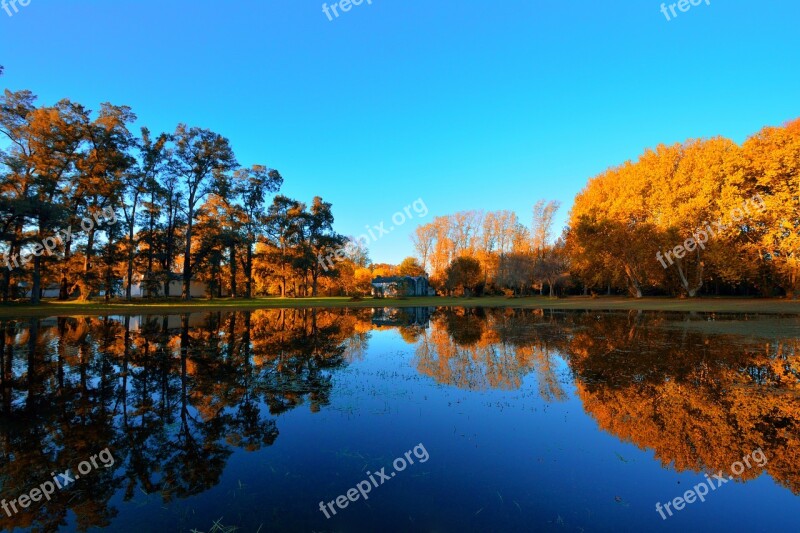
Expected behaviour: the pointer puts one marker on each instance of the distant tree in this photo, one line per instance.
(410, 267)
(464, 273)
(423, 239)
(542, 226)
(516, 271)
(357, 252)
(551, 266)
(384, 269)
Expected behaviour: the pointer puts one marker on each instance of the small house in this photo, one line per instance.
(383, 286)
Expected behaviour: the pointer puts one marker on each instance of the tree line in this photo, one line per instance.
(90, 207)
(706, 216)
(703, 216)
(163, 208)
(476, 252)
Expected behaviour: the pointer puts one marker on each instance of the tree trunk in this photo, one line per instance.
(131, 250)
(6, 283)
(249, 271)
(129, 288)
(170, 249)
(151, 248)
(86, 290)
(109, 283)
(691, 290)
(37, 280)
(63, 291)
(12, 251)
(187, 261)
(633, 283)
(232, 259)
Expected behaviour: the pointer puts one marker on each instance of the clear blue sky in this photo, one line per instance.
(467, 104)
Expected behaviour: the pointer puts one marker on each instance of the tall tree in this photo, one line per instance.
(542, 227)
(18, 177)
(100, 189)
(771, 230)
(56, 135)
(283, 226)
(423, 239)
(200, 158)
(322, 240)
(253, 186)
(138, 183)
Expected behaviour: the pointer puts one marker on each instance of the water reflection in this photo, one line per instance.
(175, 396)
(172, 395)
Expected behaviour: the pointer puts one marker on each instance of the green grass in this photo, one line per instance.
(720, 305)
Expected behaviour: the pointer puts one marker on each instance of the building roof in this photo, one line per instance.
(396, 279)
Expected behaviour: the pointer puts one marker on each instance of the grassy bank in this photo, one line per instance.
(720, 305)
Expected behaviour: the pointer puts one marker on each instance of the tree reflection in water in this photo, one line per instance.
(171, 396)
(174, 396)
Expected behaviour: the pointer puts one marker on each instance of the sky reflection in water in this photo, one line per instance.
(569, 421)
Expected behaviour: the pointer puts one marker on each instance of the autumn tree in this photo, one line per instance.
(322, 240)
(253, 185)
(423, 239)
(410, 267)
(55, 136)
(200, 159)
(516, 272)
(465, 273)
(139, 182)
(283, 226)
(18, 176)
(771, 232)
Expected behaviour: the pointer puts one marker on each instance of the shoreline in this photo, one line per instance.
(610, 303)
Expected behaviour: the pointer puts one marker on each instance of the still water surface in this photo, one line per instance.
(516, 420)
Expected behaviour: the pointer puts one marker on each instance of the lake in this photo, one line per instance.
(417, 419)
